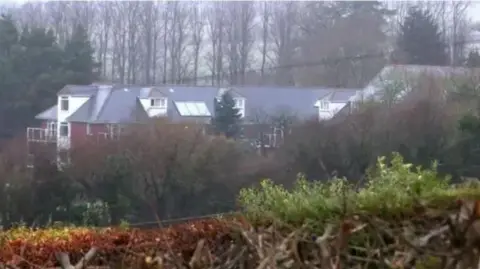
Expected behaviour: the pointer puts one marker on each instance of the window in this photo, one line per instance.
(64, 103)
(323, 105)
(89, 129)
(239, 102)
(114, 130)
(51, 128)
(64, 129)
(158, 102)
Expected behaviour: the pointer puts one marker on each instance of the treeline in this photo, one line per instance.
(246, 42)
(172, 172)
(34, 67)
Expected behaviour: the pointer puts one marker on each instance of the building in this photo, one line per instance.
(102, 111)
(409, 76)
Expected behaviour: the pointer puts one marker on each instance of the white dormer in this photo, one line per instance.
(327, 109)
(323, 105)
(66, 106)
(158, 102)
(154, 101)
(240, 105)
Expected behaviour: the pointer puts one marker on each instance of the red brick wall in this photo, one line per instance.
(78, 132)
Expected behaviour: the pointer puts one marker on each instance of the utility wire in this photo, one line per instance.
(322, 62)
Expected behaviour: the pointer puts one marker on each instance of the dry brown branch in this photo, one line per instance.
(421, 241)
(65, 263)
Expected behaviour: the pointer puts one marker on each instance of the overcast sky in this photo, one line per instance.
(473, 12)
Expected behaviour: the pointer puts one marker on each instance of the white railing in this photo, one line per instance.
(271, 140)
(63, 142)
(108, 135)
(41, 135)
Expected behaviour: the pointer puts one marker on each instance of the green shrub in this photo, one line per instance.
(390, 188)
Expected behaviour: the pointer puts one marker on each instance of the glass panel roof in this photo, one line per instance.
(192, 109)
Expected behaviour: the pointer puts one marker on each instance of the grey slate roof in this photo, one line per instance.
(406, 72)
(340, 96)
(49, 114)
(410, 75)
(78, 90)
(120, 103)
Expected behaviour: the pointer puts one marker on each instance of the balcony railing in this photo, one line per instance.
(101, 136)
(271, 140)
(41, 135)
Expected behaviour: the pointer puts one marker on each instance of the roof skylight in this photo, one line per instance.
(192, 109)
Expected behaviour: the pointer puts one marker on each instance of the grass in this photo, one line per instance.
(392, 189)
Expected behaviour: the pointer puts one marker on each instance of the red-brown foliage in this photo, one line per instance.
(113, 243)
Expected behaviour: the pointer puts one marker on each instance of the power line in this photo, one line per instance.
(321, 62)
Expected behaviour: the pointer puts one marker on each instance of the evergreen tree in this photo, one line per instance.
(78, 58)
(473, 59)
(33, 67)
(9, 35)
(420, 39)
(40, 66)
(227, 118)
(10, 79)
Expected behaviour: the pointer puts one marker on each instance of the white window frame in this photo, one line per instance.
(51, 128)
(63, 125)
(239, 102)
(64, 100)
(158, 102)
(115, 130)
(323, 105)
(88, 128)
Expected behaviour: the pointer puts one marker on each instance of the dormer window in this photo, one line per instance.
(158, 102)
(239, 102)
(64, 103)
(323, 105)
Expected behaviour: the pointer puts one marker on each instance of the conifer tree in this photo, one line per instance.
(420, 39)
(227, 118)
(79, 62)
(473, 59)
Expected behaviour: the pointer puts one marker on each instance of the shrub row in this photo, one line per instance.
(392, 189)
(23, 247)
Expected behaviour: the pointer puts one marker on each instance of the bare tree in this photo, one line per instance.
(240, 38)
(331, 37)
(198, 27)
(459, 32)
(150, 37)
(283, 25)
(104, 37)
(133, 11)
(58, 12)
(177, 36)
(264, 37)
(216, 28)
